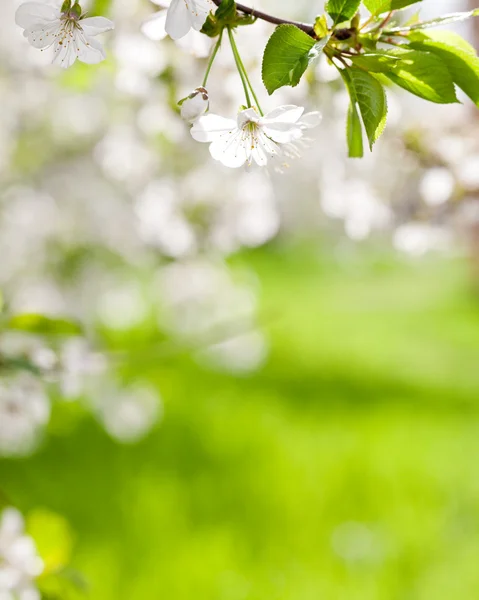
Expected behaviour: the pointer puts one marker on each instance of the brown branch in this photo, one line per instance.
(306, 27)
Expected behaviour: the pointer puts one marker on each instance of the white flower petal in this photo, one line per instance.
(288, 113)
(311, 120)
(96, 25)
(200, 10)
(31, 14)
(230, 150)
(64, 53)
(250, 115)
(212, 127)
(90, 51)
(42, 36)
(283, 133)
(178, 19)
(258, 154)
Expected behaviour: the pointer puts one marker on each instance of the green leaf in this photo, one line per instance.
(226, 10)
(342, 10)
(423, 74)
(444, 37)
(368, 93)
(446, 20)
(457, 55)
(354, 132)
(378, 7)
(42, 325)
(375, 62)
(286, 57)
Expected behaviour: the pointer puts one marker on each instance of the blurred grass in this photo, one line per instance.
(345, 469)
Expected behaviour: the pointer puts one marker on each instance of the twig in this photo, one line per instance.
(306, 27)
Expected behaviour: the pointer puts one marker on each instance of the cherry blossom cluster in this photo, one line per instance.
(251, 138)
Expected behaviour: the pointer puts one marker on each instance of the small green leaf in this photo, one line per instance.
(368, 93)
(42, 325)
(321, 27)
(226, 15)
(286, 57)
(378, 7)
(226, 10)
(76, 10)
(423, 74)
(342, 10)
(440, 21)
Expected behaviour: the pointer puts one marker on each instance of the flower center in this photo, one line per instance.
(68, 26)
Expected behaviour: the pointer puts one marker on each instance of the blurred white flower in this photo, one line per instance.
(252, 137)
(201, 300)
(195, 105)
(183, 15)
(24, 411)
(417, 239)
(70, 35)
(154, 26)
(437, 186)
(238, 354)
(128, 414)
(468, 172)
(77, 364)
(19, 560)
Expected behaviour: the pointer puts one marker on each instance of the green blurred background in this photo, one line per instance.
(345, 468)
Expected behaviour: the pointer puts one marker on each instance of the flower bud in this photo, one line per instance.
(195, 105)
(76, 10)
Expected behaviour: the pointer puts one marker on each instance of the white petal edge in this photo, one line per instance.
(96, 25)
(31, 14)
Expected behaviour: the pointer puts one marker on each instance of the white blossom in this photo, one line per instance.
(252, 137)
(71, 35)
(184, 15)
(19, 560)
(194, 42)
(195, 105)
(24, 411)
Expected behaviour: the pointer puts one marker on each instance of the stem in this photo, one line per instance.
(212, 59)
(383, 24)
(368, 22)
(241, 66)
(306, 27)
(238, 66)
